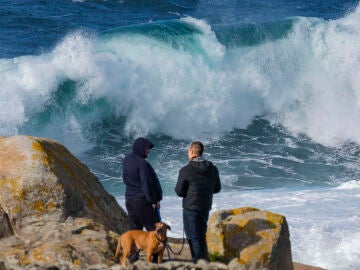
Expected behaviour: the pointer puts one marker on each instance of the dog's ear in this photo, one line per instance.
(168, 227)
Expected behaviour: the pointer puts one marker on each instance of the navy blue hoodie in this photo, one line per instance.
(139, 176)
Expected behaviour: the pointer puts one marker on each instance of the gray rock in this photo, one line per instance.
(55, 212)
(258, 239)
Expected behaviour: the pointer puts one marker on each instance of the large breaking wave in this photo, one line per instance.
(184, 79)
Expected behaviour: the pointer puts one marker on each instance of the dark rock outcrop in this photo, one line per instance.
(5, 224)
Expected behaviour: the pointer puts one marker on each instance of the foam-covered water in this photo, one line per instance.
(323, 223)
(306, 80)
(271, 88)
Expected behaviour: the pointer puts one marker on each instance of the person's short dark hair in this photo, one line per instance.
(197, 147)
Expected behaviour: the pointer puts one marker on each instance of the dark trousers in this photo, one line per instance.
(141, 214)
(195, 226)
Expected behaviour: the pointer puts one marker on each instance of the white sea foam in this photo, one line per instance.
(350, 185)
(307, 81)
(323, 223)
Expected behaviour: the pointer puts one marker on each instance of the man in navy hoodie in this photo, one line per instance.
(143, 191)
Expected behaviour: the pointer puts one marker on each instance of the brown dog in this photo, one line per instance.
(152, 242)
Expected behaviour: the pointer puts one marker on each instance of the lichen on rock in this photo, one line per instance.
(46, 196)
(252, 237)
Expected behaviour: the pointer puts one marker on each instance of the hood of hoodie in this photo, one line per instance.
(201, 167)
(141, 145)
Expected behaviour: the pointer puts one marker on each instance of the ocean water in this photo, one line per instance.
(272, 88)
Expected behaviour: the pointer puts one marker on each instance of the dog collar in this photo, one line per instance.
(157, 238)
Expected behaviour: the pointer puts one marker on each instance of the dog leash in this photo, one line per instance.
(168, 248)
(181, 249)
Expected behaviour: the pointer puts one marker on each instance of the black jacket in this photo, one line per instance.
(197, 183)
(139, 176)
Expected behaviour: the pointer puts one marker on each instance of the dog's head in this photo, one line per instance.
(161, 230)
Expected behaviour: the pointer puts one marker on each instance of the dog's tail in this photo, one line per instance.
(117, 249)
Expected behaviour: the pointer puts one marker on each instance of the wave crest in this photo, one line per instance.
(188, 84)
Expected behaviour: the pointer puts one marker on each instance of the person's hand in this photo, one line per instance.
(156, 205)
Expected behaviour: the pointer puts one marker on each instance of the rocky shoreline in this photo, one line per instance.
(55, 214)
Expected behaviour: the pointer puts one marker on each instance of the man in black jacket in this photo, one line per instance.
(197, 183)
(143, 191)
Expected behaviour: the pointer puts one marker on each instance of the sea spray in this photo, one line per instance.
(305, 81)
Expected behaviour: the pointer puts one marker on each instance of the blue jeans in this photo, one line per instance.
(195, 226)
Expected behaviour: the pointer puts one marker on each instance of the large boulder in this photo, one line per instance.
(257, 239)
(53, 210)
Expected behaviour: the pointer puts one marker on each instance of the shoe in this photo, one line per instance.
(155, 258)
